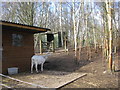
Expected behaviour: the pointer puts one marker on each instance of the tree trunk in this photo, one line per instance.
(108, 8)
(74, 29)
(61, 23)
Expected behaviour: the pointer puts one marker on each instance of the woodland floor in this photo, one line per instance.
(96, 69)
(97, 74)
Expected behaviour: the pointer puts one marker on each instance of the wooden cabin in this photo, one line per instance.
(18, 45)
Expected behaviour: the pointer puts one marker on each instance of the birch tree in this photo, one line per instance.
(109, 8)
(60, 20)
(74, 29)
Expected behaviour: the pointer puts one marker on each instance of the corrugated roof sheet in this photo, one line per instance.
(23, 27)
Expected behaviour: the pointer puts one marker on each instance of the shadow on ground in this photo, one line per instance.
(66, 62)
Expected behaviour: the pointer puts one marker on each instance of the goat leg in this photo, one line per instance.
(42, 67)
(32, 67)
(36, 68)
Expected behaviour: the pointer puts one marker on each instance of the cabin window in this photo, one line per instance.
(17, 39)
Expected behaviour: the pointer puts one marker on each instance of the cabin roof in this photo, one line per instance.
(22, 27)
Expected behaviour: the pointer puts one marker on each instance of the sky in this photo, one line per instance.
(55, 0)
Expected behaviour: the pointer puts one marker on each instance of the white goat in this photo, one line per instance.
(38, 59)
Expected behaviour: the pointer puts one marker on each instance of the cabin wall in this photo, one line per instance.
(17, 56)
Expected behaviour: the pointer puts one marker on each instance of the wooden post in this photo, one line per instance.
(40, 43)
(53, 48)
(65, 42)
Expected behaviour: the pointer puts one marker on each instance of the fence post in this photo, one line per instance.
(53, 48)
(40, 46)
(65, 41)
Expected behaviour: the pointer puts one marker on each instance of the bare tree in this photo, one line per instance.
(108, 8)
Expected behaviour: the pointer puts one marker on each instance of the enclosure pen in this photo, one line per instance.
(38, 86)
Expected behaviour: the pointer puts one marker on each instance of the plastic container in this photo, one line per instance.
(13, 70)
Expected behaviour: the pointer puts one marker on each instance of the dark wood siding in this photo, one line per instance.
(17, 56)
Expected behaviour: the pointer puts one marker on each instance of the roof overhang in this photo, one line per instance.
(21, 27)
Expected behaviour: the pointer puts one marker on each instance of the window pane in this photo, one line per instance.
(17, 40)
